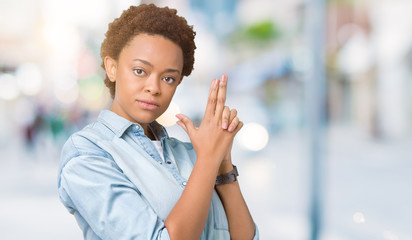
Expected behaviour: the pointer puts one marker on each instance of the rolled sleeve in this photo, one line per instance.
(256, 237)
(95, 189)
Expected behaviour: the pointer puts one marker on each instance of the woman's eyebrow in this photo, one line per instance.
(143, 61)
(171, 70)
(168, 70)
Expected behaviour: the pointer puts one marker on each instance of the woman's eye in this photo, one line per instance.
(138, 72)
(169, 79)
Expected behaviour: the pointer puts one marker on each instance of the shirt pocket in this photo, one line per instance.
(219, 214)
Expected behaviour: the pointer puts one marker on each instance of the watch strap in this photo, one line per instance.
(228, 177)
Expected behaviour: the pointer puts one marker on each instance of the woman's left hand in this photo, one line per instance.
(229, 122)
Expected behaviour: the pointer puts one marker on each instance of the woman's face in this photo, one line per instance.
(146, 75)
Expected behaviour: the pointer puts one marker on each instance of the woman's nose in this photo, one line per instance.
(152, 85)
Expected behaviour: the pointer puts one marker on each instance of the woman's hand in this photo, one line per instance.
(214, 137)
(230, 121)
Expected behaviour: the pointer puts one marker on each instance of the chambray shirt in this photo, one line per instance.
(115, 183)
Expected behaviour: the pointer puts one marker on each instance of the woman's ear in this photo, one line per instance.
(111, 67)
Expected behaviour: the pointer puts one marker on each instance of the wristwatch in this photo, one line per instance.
(228, 177)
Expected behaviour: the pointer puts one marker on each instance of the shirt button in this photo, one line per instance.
(168, 162)
(184, 183)
(137, 127)
(160, 163)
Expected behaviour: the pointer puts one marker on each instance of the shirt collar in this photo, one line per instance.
(120, 124)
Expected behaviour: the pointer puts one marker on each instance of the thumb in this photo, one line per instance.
(185, 123)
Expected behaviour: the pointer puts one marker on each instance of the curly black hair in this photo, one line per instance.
(152, 20)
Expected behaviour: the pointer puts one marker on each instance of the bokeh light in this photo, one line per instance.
(29, 79)
(169, 118)
(253, 137)
(9, 89)
(358, 217)
(67, 96)
(92, 92)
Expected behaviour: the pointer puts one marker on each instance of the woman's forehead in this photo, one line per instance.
(153, 49)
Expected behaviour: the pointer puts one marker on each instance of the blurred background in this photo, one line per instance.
(339, 165)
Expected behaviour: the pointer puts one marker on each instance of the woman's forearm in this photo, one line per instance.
(241, 224)
(188, 217)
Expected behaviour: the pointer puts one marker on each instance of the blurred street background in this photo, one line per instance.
(51, 85)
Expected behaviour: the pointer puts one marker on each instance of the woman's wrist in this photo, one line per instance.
(225, 167)
(210, 160)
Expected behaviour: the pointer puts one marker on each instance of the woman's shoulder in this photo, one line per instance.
(84, 144)
(85, 141)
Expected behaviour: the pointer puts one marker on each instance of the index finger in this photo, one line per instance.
(221, 97)
(211, 100)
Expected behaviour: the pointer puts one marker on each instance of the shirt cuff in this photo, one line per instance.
(256, 237)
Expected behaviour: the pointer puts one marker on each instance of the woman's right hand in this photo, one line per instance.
(210, 140)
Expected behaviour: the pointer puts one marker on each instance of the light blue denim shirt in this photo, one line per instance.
(113, 180)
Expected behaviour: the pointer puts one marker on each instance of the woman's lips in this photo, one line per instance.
(148, 105)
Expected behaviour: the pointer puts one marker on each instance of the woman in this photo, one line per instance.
(122, 177)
